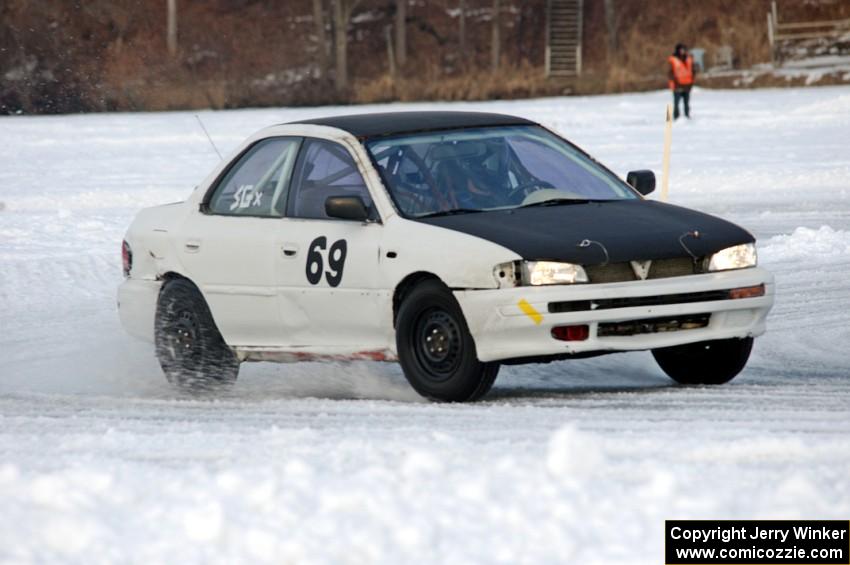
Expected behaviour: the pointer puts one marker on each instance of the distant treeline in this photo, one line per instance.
(93, 55)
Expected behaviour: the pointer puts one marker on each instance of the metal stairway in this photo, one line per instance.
(563, 37)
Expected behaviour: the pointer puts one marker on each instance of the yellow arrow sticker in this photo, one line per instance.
(530, 311)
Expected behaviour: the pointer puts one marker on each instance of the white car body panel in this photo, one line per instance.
(503, 330)
(259, 296)
(266, 310)
(229, 258)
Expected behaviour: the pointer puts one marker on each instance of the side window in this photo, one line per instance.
(324, 169)
(257, 185)
(407, 172)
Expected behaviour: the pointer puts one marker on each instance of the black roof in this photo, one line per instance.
(391, 123)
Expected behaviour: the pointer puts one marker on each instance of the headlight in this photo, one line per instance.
(737, 257)
(538, 273)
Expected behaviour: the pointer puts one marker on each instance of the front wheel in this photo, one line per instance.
(190, 349)
(435, 349)
(706, 362)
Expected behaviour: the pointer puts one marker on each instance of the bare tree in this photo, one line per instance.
(461, 32)
(171, 27)
(388, 32)
(342, 10)
(401, 32)
(321, 36)
(495, 47)
(611, 26)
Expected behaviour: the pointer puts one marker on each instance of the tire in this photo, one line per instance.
(706, 362)
(435, 348)
(189, 347)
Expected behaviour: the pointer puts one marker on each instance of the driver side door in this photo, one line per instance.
(331, 300)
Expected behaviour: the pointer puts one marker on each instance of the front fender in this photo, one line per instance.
(460, 260)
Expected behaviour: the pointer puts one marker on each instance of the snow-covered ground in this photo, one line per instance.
(101, 462)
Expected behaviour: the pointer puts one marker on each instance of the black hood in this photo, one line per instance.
(630, 230)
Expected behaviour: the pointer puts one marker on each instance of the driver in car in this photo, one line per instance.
(469, 184)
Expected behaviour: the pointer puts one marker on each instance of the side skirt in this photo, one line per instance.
(296, 354)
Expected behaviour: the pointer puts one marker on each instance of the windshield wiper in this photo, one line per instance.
(450, 212)
(557, 202)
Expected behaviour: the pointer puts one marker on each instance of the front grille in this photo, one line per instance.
(678, 267)
(653, 325)
(612, 272)
(659, 269)
(629, 302)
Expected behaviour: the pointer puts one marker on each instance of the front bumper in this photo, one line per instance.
(504, 327)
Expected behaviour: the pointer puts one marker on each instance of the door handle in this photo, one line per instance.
(289, 249)
(192, 246)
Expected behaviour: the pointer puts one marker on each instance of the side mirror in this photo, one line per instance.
(346, 208)
(642, 181)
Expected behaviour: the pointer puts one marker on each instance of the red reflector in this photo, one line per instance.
(126, 258)
(571, 333)
(747, 292)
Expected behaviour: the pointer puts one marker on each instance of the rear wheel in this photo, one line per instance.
(435, 348)
(706, 362)
(189, 347)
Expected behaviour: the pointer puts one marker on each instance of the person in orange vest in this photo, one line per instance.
(681, 74)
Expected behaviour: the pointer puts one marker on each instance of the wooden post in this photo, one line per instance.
(547, 54)
(774, 54)
(495, 47)
(340, 19)
(388, 32)
(401, 32)
(611, 28)
(462, 29)
(770, 38)
(342, 10)
(580, 24)
(171, 27)
(321, 36)
(665, 163)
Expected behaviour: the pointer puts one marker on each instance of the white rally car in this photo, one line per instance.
(453, 242)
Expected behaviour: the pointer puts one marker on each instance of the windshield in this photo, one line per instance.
(490, 168)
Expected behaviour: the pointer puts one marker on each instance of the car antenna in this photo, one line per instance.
(197, 117)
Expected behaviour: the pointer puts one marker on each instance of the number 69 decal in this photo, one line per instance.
(336, 261)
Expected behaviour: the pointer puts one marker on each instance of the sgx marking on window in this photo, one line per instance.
(246, 196)
(335, 259)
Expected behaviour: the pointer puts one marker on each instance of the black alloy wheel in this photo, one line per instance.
(435, 348)
(438, 344)
(189, 347)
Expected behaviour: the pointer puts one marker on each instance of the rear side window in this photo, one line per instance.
(258, 183)
(324, 169)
